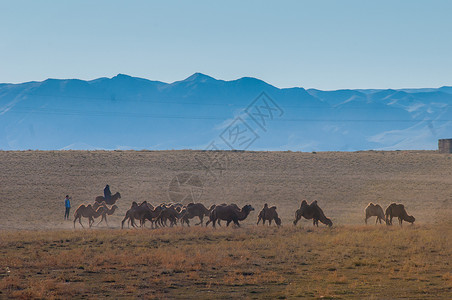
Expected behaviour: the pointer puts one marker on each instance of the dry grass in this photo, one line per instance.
(42, 257)
(343, 262)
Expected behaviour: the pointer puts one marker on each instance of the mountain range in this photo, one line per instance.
(201, 112)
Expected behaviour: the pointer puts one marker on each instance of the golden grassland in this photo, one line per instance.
(373, 262)
(33, 183)
(41, 256)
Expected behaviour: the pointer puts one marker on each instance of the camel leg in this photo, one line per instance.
(75, 220)
(365, 220)
(218, 221)
(269, 222)
(122, 222)
(213, 223)
(258, 220)
(80, 221)
(236, 222)
(101, 219)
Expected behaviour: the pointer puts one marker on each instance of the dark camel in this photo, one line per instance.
(268, 214)
(136, 212)
(196, 210)
(111, 201)
(230, 214)
(398, 210)
(311, 211)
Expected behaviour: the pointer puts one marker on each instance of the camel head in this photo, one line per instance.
(119, 195)
(328, 222)
(278, 221)
(297, 216)
(410, 219)
(248, 208)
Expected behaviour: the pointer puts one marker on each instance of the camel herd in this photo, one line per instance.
(171, 214)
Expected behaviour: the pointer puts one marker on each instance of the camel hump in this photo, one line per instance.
(273, 207)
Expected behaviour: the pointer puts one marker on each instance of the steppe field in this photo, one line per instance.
(42, 256)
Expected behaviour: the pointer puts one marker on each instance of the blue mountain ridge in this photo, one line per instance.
(125, 112)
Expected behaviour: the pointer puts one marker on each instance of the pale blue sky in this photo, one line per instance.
(313, 44)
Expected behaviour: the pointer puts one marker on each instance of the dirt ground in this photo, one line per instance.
(33, 183)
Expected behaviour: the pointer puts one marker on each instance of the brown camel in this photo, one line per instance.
(312, 211)
(152, 216)
(107, 211)
(230, 214)
(87, 212)
(398, 210)
(170, 214)
(374, 210)
(195, 210)
(112, 200)
(136, 212)
(268, 214)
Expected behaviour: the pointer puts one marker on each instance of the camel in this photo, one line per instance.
(398, 210)
(196, 210)
(171, 214)
(112, 200)
(311, 211)
(107, 211)
(152, 215)
(230, 213)
(222, 204)
(87, 212)
(374, 210)
(268, 214)
(136, 212)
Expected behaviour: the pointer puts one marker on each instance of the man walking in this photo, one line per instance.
(67, 204)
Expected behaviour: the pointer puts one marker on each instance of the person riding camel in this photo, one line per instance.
(107, 193)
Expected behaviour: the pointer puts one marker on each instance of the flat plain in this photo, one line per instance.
(42, 256)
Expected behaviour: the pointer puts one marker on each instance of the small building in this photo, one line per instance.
(445, 146)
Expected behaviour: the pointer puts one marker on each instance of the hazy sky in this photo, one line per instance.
(319, 44)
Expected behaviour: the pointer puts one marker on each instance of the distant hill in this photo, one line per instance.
(126, 112)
